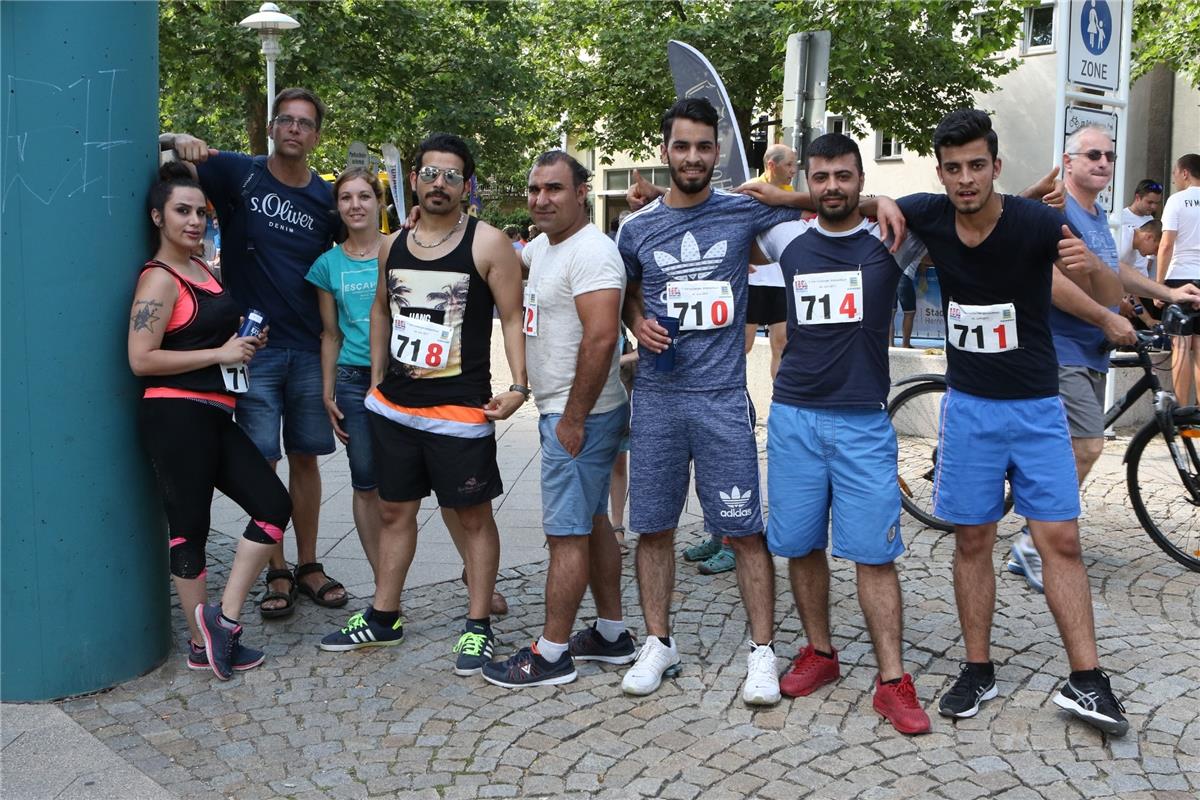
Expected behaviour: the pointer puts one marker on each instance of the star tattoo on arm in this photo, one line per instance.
(144, 318)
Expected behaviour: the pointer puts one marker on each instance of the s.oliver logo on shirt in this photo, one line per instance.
(281, 213)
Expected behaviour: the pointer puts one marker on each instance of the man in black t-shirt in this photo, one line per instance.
(1002, 414)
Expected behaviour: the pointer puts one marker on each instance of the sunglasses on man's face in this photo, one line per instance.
(1096, 155)
(429, 174)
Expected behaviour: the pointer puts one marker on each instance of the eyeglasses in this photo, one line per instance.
(1096, 155)
(287, 121)
(429, 174)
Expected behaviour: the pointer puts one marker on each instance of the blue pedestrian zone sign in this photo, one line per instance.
(1094, 43)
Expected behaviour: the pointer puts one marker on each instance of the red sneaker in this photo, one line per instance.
(898, 704)
(809, 672)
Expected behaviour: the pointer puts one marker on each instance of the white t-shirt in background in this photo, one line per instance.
(586, 262)
(1182, 214)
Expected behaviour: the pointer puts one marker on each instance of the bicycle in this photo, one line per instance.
(1160, 456)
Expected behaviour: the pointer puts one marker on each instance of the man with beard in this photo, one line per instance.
(1002, 415)
(686, 256)
(572, 316)
(830, 445)
(432, 410)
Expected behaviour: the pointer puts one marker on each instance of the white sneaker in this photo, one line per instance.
(654, 661)
(762, 677)
(1027, 560)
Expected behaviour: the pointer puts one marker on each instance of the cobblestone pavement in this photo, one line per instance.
(397, 722)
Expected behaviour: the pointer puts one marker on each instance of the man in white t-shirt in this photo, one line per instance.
(572, 316)
(1179, 264)
(1147, 205)
(767, 304)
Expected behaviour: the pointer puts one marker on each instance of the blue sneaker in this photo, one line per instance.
(474, 649)
(244, 658)
(220, 642)
(703, 551)
(1027, 561)
(723, 561)
(362, 631)
(589, 645)
(528, 668)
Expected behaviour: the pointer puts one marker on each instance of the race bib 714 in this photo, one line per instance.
(823, 298)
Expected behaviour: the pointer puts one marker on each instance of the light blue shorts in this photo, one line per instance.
(838, 463)
(574, 490)
(668, 431)
(982, 440)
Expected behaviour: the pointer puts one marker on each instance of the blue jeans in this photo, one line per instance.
(351, 389)
(285, 386)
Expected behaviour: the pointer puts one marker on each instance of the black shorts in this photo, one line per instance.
(767, 305)
(409, 463)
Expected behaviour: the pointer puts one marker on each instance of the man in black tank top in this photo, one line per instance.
(432, 409)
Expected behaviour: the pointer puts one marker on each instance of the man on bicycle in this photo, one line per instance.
(1085, 315)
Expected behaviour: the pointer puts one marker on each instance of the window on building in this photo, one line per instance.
(1039, 30)
(835, 125)
(887, 147)
(617, 180)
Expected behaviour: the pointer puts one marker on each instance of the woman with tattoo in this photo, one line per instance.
(183, 340)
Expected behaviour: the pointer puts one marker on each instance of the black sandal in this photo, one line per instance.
(271, 594)
(318, 595)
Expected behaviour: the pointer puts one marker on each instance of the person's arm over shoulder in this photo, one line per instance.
(221, 175)
(774, 241)
(922, 209)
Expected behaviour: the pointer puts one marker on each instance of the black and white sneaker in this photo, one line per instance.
(364, 631)
(1093, 702)
(589, 645)
(474, 649)
(968, 693)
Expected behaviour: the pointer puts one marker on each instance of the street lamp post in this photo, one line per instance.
(269, 22)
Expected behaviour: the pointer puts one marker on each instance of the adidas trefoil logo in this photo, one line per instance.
(737, 503)
(691, 266)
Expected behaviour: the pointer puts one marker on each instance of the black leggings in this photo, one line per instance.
(194, 448)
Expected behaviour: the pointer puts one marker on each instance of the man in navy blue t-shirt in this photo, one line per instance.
(1002, 416)
(831, 449)
(277, 216)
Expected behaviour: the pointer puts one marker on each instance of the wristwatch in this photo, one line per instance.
(524, 390)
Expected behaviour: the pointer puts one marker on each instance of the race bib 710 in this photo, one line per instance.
(700, 305)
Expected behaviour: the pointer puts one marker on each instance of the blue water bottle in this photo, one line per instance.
(253, 324)
(665, 361)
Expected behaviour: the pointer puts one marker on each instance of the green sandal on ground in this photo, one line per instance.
(703, 552)
(722, 561)
(318, 595)
(287, 608)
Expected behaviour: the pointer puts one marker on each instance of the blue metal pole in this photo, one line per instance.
(83, 558)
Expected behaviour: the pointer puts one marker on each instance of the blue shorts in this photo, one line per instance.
(351, 389)
(285, 385)
(574, 490)
(981, 440)
(833, 461)
(669, 430)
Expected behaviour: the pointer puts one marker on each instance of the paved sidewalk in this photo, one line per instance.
(396, 722)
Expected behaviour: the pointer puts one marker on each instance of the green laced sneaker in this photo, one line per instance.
(474, 649)
(361, 631)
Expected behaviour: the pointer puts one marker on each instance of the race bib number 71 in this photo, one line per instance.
(420, 343)
(823, 298)
(700, 305)
(237, 379)
(982, 329)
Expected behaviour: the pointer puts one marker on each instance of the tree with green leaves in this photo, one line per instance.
(895, 66)
(1167, 33)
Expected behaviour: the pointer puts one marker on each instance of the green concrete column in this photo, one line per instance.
(83, 555)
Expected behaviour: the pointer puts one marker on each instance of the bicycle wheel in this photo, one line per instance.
(1163, 504)
(914, 413)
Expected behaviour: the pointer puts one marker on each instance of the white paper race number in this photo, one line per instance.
(420, 343)
(982, 329)
(529, 323)
(700, 305)
(237, 380)
(823, 298)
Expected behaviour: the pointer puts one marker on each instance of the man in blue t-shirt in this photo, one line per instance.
(277, 216)
(1002, 416)
(830, 445)
(686, 256)
(1085, 316)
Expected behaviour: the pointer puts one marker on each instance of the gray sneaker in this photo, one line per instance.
(1025, 560)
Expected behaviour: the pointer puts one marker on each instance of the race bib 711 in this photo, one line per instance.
(982, 329)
